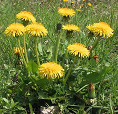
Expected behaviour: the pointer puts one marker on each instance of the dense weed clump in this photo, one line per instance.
(61, 54)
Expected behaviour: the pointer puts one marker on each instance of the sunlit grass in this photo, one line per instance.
(47, 14)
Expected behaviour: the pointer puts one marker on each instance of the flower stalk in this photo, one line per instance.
(69, 72)
(26, 57)
(95, 43)
(36, 51)
(57, 46)
(22, 53)
(69, 36)
(59, 26)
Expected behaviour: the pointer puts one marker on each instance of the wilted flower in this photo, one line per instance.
(90, 47)
(100, 29)
(95, 57)
(51, 70)
(17, 50)
(15, 29)
(78, 49)
(66, 12)
(36, 29)
(25, 15)
(70, 27)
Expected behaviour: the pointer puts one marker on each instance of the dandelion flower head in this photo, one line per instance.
(51, 70)
(25, 15)
(66, 12)
(65, 0)
(72, 2)
(89, 4)
(15, 29)
(79, 10)
(70, 27)
(78, 49)
(36, 29)
(17, 50)
(101, 29)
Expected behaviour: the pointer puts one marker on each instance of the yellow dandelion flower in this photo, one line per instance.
(15, 29)
(17, 50)
(36, 29)
(83, 0)
(72, 2)
(65, 0)
(51, 70)
(70, 27)
(66, 12)
(100, 29)
(79, 10)
(78, 49)
(25, 15)
(89, 4)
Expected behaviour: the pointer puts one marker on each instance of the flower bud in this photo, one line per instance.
(91, 91)
(59, 26)
(95, 57)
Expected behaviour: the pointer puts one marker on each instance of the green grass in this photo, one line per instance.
(24, 93)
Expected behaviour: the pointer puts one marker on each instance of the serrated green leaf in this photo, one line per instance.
(32, 66)
(94, 76)
(42, 95)
(14, 104)
(42, 83)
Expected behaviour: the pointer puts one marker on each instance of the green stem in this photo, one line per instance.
(26, 57)
(22, 53)
(36, 51)
(95, 44)
(88, 41)
(69, 72)
(68, 38)
(57, 46)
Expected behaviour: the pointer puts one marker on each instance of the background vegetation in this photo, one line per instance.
(12, 100)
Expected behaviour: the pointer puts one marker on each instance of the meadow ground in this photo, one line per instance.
(21, 89)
